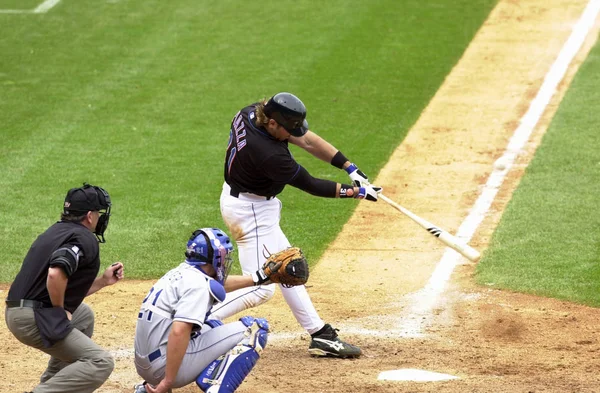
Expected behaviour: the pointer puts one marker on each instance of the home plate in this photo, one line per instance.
(413, 374)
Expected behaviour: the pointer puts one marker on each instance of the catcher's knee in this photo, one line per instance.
(226, 373)
(262, 294)
(256, 334)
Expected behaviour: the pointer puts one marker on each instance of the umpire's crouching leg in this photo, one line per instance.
(77, 364)
(88, 366)
(94, 365)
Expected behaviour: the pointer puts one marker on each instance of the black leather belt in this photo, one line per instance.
(236, 194)
(24, 303)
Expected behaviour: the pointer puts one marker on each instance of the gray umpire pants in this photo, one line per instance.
(76, 364)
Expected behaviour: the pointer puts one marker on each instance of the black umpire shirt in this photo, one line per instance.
(30, 282)
(257, 162)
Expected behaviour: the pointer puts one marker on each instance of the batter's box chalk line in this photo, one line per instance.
(414, 375)
(40, 9)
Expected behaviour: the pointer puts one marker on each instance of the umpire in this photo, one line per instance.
(44, 307)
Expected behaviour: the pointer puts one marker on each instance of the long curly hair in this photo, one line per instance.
(261, 118)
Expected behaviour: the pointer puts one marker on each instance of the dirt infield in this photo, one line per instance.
(494, 341)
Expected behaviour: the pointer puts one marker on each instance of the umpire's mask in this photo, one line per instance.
(104, 214)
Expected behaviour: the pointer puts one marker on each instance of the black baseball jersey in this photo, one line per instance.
(257, 162)
(30, 282)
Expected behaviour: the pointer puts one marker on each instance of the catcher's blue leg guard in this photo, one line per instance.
(225, 374)
(261, 322)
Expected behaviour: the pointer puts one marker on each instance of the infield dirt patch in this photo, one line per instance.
(494, 341)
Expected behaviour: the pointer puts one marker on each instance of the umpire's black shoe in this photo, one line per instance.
(325, 342)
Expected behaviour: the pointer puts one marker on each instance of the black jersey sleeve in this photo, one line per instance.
(280, 168)
(67, 258)
(314, 186)
(88, 245)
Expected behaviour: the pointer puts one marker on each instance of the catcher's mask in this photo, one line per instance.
(287, 110)
(212, 246)
(81, 200)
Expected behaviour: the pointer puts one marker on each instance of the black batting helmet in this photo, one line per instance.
(287, 110)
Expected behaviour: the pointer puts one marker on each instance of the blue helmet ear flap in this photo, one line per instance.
(199, 248)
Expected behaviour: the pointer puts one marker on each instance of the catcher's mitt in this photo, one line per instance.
(288, 267)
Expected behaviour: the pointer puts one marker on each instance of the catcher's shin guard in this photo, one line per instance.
(225, 374)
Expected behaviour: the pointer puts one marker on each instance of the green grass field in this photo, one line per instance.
(548, 240)
(137, 96)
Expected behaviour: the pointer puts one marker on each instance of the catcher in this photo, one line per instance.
(176, 342)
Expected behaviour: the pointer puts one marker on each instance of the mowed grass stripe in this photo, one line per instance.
(137, 97)
(547, 241)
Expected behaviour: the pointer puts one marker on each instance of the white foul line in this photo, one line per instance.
(40, 9)
(45, 6)
(15, 11)
(428, 297)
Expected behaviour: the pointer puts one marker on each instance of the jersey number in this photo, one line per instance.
(156, 295)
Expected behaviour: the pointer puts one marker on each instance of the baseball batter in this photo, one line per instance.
(258, 165)
(175, 341)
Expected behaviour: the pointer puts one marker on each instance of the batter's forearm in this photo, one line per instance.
(316, 146)
(346, 191)
(314, 186)
(325, 152)
(339, 160)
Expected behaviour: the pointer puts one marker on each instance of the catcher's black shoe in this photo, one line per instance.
(325, 342)
(140, 388)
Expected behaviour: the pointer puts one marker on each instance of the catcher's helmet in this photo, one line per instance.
(210, 246)
(287, 110)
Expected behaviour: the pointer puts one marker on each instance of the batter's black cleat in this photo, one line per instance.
(326, 343)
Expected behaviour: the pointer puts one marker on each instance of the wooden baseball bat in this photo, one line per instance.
(445, 237)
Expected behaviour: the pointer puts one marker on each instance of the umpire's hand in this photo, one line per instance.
(113, 273)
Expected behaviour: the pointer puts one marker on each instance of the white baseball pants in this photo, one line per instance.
(253, 222)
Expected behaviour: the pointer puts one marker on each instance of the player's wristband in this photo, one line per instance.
(362, 192)
(351, 168)
(339, 160)
(347, 191)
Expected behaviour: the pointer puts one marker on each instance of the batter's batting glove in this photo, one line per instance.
(358, 177)
(261, 276)
(369, 192)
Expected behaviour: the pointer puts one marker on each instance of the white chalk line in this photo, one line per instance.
(45, 6)
(422, 303)
(40, 9)
(426, 299)
(16, 11)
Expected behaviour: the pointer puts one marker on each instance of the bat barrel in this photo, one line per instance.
(445, 237)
